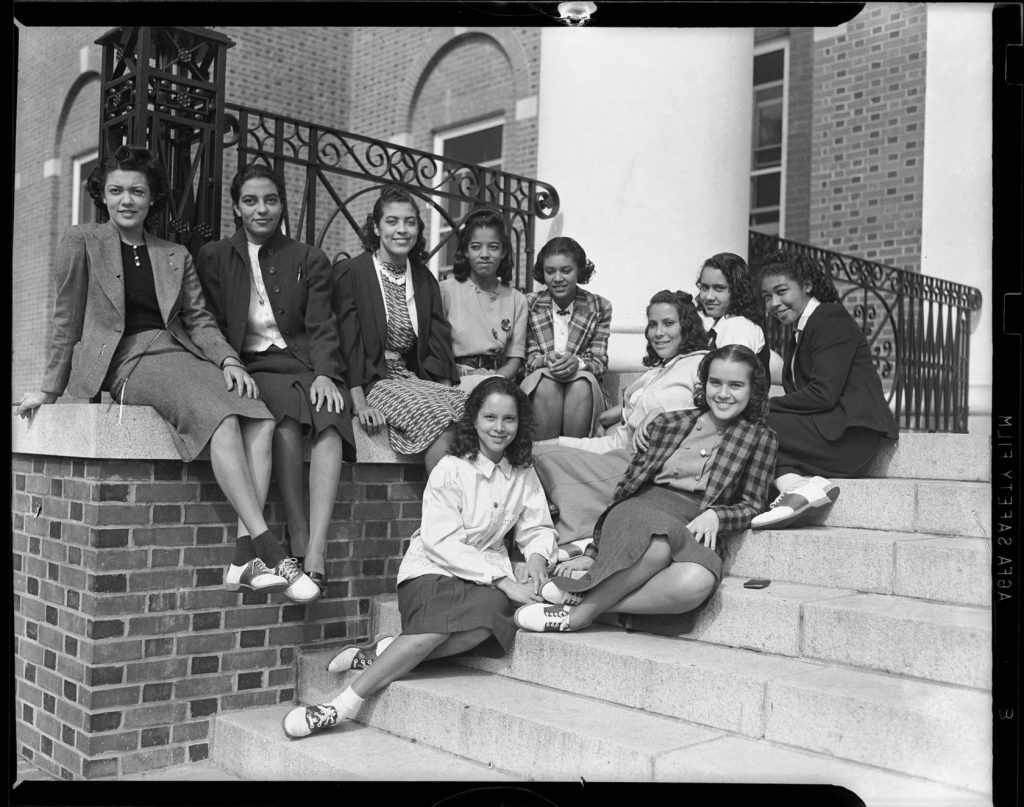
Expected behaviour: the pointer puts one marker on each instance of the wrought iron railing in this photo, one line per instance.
(339, 174)
(917, 327)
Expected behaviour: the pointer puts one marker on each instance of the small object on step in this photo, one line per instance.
(757, 582)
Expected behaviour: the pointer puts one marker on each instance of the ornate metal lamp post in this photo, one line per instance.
(163, 88)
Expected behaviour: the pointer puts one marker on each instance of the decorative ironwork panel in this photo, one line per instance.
(917, 328)
(339, 175)
(163, 88)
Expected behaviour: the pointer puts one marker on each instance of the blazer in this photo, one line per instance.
(741, 472)
(89, 313)
(363, 325)
(589, 326)
(300, 289)
(834, 381)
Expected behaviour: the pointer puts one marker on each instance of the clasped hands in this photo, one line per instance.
(562, 366)
(525, 588)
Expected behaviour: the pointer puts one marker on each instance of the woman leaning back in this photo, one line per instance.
(130, 318)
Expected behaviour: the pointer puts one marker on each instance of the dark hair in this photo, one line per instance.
(757, 408)
(483, 217)
(391, 194)
(799, 269)
(744, 299)
(256, 170)
(564, 246)
(693, 333)
(130, 158)
(467, 444)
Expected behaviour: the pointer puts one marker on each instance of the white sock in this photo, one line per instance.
(347, 704)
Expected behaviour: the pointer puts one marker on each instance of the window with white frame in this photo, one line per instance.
(83, 211)
(479, 143)
(768, 151)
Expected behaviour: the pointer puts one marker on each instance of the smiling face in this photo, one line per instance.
(397, 229)
(128, 198)
(561, 275)
(664, 332)
(714, 292)
(484, 253)
(785, 298)
(496, 423)
(728, 389)
(259, 207)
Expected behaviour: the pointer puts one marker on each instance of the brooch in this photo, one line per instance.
(506, 325)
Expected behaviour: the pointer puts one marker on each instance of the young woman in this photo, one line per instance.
(567, 348)
(272, 298)
(580, 474)
(130, 318)
(705, 474)
(834, 415)
(487, 316)
(456, 587)
(731, 307)
(395, 341)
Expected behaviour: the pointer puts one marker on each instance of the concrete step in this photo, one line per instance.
(913, 505)
(205, 771)
(917, 455)
(931, 567)
(251, 744)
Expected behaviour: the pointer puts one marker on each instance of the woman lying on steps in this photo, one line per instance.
(456, 588)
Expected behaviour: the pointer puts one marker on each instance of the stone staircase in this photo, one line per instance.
(866, 663)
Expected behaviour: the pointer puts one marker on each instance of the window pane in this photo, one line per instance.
(475, 147)
(769, 66)
(767, 157)
(87, 211)
(765, 190)
(768, 124)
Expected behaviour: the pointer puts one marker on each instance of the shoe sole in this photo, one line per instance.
(273, 588)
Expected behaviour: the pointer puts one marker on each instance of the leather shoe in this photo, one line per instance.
(359, 657)
(542, 618)
(798, 504)
(553, 594)
(304, 720)
(254, 576)
(320, 578)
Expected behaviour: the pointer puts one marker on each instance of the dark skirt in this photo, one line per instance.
(629, 527)
(802, 449)
(284, 384)
(435, 603)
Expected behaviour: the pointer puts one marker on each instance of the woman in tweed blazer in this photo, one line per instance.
(564, 377)
(706, 471)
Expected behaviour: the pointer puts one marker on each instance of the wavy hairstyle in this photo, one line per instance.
(744, 299)
(257, 170)
(563, 245)
(130, 158)
(799, 269)
(693, 333)
(483, 217)
(466, 443)
(757, 407)
(390, 194)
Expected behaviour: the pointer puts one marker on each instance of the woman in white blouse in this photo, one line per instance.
(456, 586)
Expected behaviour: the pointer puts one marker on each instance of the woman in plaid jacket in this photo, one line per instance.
(567, 343)
(706, 471)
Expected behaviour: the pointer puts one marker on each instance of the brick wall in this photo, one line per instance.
(126, 645)
(867, 172)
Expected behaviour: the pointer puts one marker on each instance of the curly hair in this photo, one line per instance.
(757, 407)
(479, 218)
(694, 337)
(391, 194)
(744, 299)
(466, 443)
(258, 170)
(130, 158)
(564, 246)
(801, 270)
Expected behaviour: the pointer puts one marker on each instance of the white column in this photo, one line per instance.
(646, 135)
(956, 229)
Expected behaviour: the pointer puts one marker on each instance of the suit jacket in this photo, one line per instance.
(589, 326)
(300, 289)
(741, 472)
(89, 314)
(362, 322)
(834, 381)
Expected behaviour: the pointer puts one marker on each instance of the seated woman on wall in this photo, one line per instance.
(272, 298)
(395, 341)
(706, 473)
(567, 348)
(833, 416)
(130, 317)
(580, 474)
(487, 316)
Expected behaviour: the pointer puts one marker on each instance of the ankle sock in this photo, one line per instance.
(244, 550)
(269, 548)
(347, 704)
